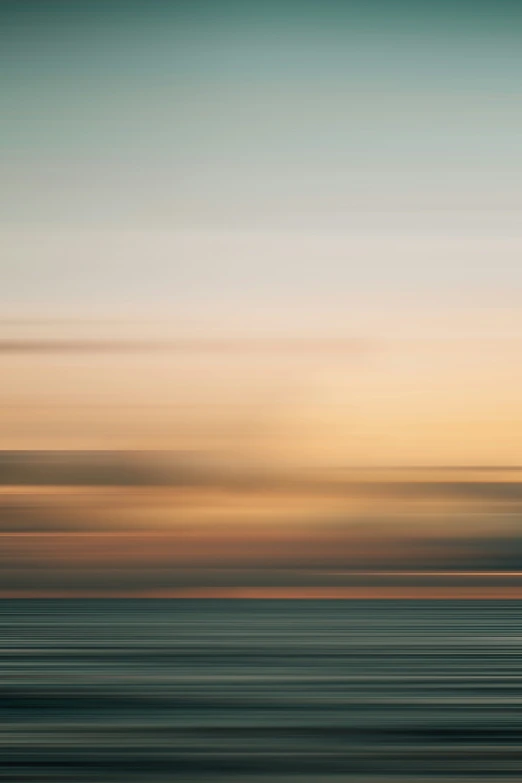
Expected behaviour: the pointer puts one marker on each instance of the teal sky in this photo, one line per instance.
(294, 160)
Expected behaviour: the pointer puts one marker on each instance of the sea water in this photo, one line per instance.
(260, 690)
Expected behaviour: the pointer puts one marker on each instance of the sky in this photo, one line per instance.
(262, 166)
(281, 237)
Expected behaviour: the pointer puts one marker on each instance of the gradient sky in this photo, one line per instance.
(292, 160)
(278, 169)
(318, 204)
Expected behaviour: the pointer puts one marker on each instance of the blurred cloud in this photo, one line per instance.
(342, 347)
(148, 521)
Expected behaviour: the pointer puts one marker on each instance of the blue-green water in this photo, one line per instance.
(291, 691)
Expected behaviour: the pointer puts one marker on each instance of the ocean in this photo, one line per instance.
(292, 691)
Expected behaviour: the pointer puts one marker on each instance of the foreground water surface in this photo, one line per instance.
(284, 690)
